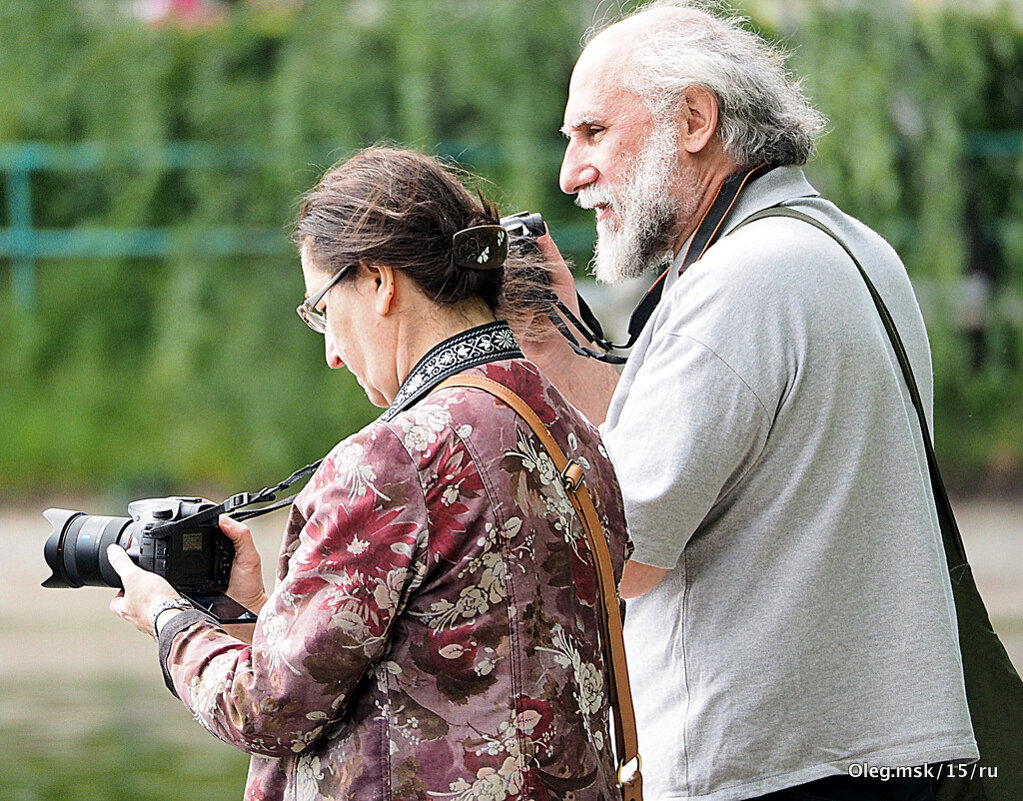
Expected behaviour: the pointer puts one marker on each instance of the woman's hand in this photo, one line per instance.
(143, 591)
(246, 584)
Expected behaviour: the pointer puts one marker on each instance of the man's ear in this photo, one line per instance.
(385, 289)
(697, 118)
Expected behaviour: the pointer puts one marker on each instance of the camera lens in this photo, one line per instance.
(76, 551)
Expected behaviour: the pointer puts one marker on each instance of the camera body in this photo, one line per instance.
(176, 538)
(175, 542)
(523, 229)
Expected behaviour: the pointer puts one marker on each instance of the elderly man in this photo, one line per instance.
(791, 624)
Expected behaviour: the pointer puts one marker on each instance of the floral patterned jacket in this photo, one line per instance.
(433, 632)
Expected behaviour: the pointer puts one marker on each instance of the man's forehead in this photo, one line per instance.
(596, 100)
(596, 86)
(601, 67)
(603, 58)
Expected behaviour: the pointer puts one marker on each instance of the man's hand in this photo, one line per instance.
(560, 277)
(246, 583)
(143, 591)
(638, 579)
(587, 383)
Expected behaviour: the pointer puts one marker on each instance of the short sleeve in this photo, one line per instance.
(687, 430)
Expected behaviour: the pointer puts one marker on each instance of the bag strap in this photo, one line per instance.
(626, 743)
(955, 553)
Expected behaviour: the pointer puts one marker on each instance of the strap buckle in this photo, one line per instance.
(572, 476)
(634, 773)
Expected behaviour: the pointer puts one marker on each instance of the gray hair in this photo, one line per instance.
(763, 114)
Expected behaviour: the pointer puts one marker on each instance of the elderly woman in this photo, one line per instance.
(433, 633)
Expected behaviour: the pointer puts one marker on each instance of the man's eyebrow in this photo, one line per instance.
(576, 124)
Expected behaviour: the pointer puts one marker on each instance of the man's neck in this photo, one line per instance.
(710, 182)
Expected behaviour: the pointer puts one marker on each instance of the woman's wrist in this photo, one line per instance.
(167, 610)
(258, 604)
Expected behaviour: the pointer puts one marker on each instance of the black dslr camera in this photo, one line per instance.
(177, 538)
(523, 229)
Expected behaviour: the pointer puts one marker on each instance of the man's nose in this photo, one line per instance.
(575, 172)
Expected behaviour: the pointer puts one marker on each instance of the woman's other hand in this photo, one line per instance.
(246, 584)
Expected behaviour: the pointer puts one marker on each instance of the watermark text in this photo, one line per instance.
(941, 771)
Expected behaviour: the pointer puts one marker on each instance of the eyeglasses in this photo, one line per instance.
(312, 316)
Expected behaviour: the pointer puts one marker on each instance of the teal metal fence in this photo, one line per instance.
(24, 243)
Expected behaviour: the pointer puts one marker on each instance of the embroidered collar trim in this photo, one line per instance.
(492, 342)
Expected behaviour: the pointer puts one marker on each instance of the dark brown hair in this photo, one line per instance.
(400, 208)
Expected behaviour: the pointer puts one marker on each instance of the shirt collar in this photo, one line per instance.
(491, 342)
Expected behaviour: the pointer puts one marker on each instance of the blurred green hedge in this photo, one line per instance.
(148, 374)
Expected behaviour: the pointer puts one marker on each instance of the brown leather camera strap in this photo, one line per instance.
(626, 745)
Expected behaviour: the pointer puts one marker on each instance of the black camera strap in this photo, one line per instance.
(270, 494)
(589, 326)
(242, 500)
(707, 233)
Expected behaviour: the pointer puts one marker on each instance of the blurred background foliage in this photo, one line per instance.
(187, 369)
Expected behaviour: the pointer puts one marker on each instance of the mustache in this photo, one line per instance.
(591, 196)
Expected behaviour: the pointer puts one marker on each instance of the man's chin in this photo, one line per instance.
(606, 228)
(612, 263)
(609, 270)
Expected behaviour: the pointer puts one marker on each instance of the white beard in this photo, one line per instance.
(656, 199)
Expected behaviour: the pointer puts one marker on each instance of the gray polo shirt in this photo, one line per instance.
(770, 458)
